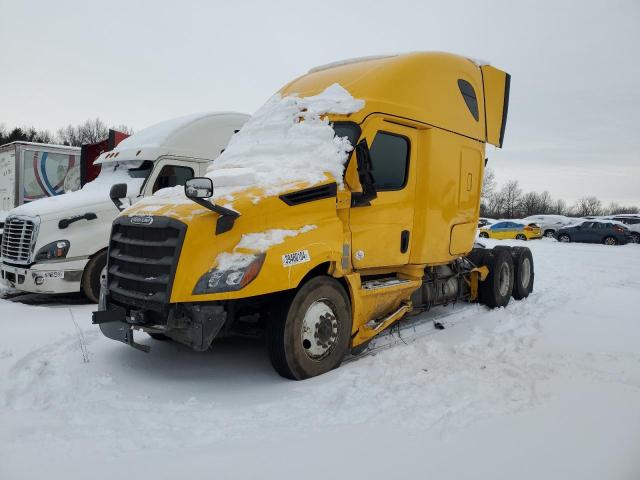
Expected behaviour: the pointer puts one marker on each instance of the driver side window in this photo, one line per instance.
(172, 175)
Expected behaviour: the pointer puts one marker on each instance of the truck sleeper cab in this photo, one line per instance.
(59, 244)
(392, 234)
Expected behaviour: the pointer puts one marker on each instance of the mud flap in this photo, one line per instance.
(113, 325)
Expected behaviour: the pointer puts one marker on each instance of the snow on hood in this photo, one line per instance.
(93, 193)
(288, 141)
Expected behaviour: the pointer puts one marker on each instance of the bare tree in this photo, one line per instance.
(588, 206)
(559, 207)
(91, 131)
(488, 184)
(615, 208)
(512, 198)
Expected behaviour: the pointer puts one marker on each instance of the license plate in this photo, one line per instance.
(53, 274)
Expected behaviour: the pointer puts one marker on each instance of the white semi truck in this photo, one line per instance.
(59, 244)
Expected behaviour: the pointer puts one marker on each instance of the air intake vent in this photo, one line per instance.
(310, 194)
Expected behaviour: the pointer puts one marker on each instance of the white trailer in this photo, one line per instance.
(59, 244)
(29, 171)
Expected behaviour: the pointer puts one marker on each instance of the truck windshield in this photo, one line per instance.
(142, 171)
(347, 129)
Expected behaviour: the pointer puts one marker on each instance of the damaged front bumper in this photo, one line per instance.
(193, 325)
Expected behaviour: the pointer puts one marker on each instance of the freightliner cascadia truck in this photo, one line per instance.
(348, 201)
(59, 244)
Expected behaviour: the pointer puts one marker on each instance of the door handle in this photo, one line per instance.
(404, 241)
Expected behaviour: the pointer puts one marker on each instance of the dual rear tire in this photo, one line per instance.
(511, 274)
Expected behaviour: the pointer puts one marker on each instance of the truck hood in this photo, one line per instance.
(67, 205)
(93, 197)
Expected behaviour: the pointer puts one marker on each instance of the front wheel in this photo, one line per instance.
(91, 278)
(610, 241)
(635, 237)
(310, 335)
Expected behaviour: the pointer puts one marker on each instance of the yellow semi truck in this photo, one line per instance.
(347, 202)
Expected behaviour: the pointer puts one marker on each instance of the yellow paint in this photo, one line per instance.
(415, 96)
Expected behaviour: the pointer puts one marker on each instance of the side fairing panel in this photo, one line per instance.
(496, 96)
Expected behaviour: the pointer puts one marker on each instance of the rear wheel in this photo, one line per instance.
(521, 236)
(310, 335)
(94, 270)
(610, 241)
(484, 235)
(523, 274)
(496, 290)
(564, 238)
(549, 233)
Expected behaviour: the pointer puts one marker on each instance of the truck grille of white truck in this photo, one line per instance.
(17, 240)
(142, 261)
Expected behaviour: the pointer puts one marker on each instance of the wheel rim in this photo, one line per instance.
(564, 238)
(610, 241)
(484, 235)
(548, 234)
(525, 273)
(521, 237)
(503, 280)
(635, 238)
(319, 333)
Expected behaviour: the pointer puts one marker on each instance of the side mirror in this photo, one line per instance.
(198, 187)
(117, 193)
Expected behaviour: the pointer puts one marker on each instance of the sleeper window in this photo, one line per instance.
(390, 159)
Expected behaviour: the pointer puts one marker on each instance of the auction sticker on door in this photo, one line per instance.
(294, 258)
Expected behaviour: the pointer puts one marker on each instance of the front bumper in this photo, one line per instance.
(193, 325)
(55, 277)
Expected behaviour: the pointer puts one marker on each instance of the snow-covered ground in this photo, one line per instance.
(547, 388)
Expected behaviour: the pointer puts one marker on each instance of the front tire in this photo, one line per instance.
(90, 283)
(310, 335)
(636, 237)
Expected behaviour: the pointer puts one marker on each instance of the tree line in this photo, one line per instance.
(511, 201)
(91, 131)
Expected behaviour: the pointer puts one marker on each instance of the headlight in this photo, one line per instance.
(229, 280)
(53, 250)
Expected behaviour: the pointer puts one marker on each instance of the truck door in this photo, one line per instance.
(169, 173)
(381, 231)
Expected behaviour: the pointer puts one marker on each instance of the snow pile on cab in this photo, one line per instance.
(287, 141)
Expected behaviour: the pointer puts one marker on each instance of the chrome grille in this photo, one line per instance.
(17, 239)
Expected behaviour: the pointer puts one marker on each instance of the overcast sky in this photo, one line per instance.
(575, 100)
